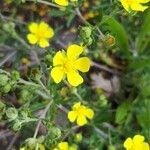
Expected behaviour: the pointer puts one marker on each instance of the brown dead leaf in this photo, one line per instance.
(110, 85)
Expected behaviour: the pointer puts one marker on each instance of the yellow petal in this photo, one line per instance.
(72, 115)
(74, 78)
(49, 33)
(81, 120)
(82, 64)
(63, 146)
(74, 51)
(57, 74)
(32, 38)
(128, 143)
(43, 27)
(62, 2)
(138, 7)
(33, 27)
(144, 1)
(43, 43)
(59, 58)
(146, 146)
(138, 139)
(125, 4)
(89, 113)
(76, 105)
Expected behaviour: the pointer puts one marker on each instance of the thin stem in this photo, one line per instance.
(63, 108)
(11, 19)
(3, 71)
(27, 82)
(22, 41)
(7, 58)
(72, 129)
(13, 141)
(100, 32)
(102, 67)
(78, 95)
(36, 57)
(78, 13)
(42, 117)
(75, 92)
(101, 133)
(44, 88)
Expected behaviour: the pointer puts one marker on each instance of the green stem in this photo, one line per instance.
(42, 117)
(44, 88)
(28, 83)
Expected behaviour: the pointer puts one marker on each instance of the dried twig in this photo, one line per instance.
(105, 68)
(12, 141)
(7, 58)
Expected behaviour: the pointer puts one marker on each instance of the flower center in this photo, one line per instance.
(81, 111)
(68, 65)
(39, 35)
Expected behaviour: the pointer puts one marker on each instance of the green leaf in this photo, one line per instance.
(139, 63)
(70, 19)
(143, 115)
(143, 40)
(122, 112)
(117, 30)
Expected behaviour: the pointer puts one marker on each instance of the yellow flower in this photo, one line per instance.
(69, 64)
(136, 5)
(65, 146)
(137, 143)
(40, 34)
(80, 113)
(64, 2)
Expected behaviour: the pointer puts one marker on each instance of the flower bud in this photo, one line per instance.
(24, 113)
(86, 31)
(17, 125)
(56, 132)
(7, 88)
(25, 94)
(64, 91)
(85, 34)
(49, 58)
(15, 75)
(12, 113)
(110, 40)
(9, 27)
(3, 79)
(111, 147)
(78, 137)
